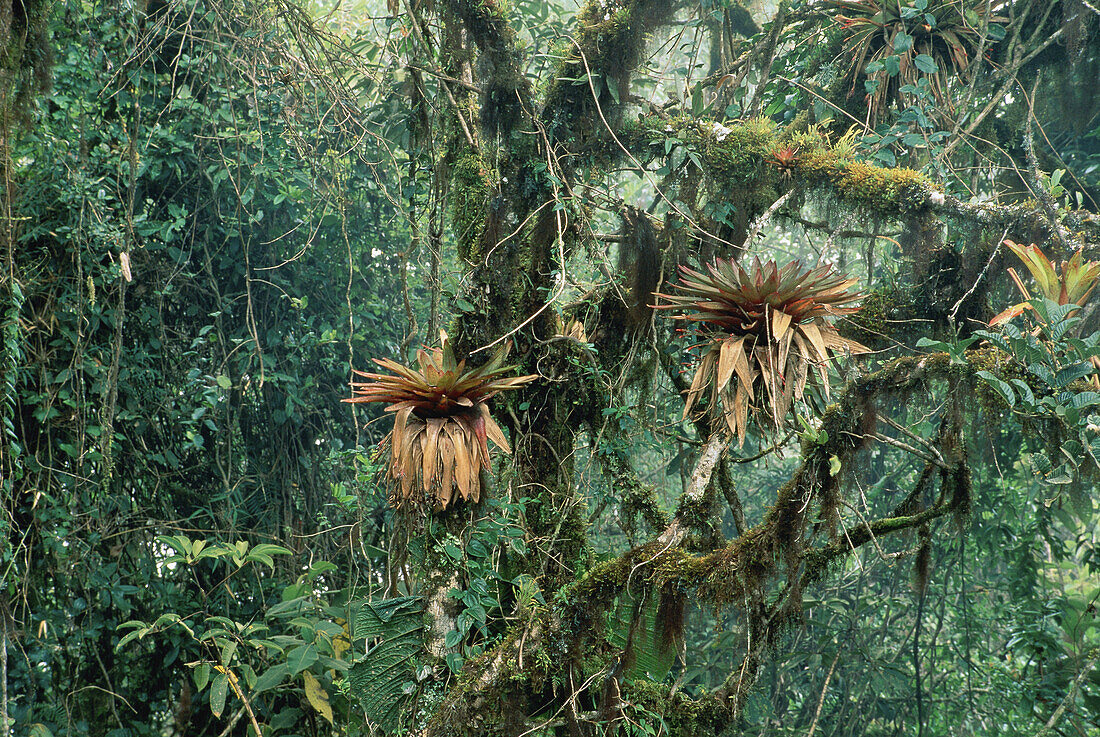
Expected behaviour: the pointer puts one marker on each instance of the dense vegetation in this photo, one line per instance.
(754, 510)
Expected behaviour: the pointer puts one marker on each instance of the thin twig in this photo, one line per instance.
(821, 698)
(993, 255)
(1070, 695)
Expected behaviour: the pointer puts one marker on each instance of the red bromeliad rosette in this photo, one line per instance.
(441, 426)
(763, 329)
(1072, 284)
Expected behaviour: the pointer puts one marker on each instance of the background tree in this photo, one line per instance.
(224, 209)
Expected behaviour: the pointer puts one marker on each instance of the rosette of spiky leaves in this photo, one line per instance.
(442, 423)
(765, 334)
(1077, 280)
(943, 35)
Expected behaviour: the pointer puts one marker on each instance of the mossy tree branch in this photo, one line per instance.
(735, 165)
(744, 568)
(606, 46)
(505, 93)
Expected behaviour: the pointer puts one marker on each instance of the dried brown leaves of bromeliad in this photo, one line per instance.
(442, 424)
(765, 335)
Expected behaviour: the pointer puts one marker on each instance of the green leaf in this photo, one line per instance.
(130, 636)
(217, 693)
(929, 343)
(228, 650)
(272, 677)
(1001, 387)
(301, 658)
(378, 678)
(1025, 391)
(926, 64)
(179, 543)
(378, 618)
(1085, 399)
(202, 676)
(653, 658)
(1072, 373)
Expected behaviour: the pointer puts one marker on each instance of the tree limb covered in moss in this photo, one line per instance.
(734, 160)
(505, 91)
(865, 532)
(742, 570)
(607, 44)
(694, 495)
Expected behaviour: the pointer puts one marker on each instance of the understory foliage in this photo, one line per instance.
(895, 45)
(197, 250)
(801, 507)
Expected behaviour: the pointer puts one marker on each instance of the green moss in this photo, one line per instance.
(871, 325)
(682, 715)
(638, 500)
(470, 709)
(505, 90)
(1005, 368)
(890, 192)
(738, 161)
(740, 157)
(606, 46)
(471, 183)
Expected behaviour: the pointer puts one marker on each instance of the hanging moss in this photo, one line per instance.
(872, 325)
(738, 573)
(505, 90)
(608, 44)
(636, 499)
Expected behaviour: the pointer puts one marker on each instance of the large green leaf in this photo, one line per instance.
(394, 632)
(651, 657)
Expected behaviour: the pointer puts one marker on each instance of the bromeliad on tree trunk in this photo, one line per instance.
(441, 424)
(766, 326)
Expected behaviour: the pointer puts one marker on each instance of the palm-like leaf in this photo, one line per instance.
(765, 335)
(442, 423)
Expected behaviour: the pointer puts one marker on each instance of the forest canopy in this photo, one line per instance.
(617, 367)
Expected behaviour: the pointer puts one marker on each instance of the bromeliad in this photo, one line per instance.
(442, 423)
(1077, 280)
(763, 329)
